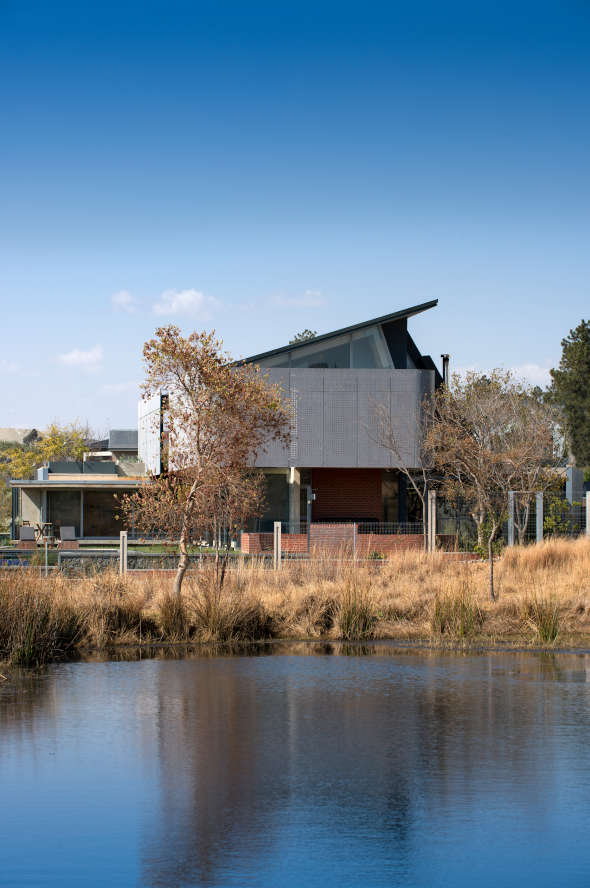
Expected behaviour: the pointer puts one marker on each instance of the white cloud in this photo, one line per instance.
(87, 360)
(533, 373)
(123, 300)
(8, 366)
(309, 299)
(187, 302)
(118, 388)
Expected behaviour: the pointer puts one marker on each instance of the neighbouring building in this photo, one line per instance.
(82, 494)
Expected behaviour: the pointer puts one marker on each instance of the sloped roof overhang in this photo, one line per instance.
(384, 319)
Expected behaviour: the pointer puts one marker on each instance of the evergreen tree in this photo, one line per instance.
(571, 391)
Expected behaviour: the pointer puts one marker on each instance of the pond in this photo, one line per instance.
(298, 765)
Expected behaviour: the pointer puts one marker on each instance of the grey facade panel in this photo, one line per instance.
(123, 439)
(334, 416)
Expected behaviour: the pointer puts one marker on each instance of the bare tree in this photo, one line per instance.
(487, 436)
(384, 433)
(219, 415)
(536, 451)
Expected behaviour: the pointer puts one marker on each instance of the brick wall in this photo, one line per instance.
(347, 493)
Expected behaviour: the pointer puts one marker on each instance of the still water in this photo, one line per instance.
(299, 765)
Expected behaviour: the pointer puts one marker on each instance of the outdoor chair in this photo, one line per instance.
(67, 538)
(26, 538)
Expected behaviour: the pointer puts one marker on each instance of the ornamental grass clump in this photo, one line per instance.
(172, 617)
(542, 615)
(225, 611)
(113, 611)
(456, 613)
(36, 627)
(356, 618)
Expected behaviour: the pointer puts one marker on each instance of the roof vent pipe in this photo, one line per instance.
(445, 369)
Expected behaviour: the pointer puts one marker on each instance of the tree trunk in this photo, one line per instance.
(491, 559)
(521, 527)
(182, 564)
(182, 542)
(479, 520)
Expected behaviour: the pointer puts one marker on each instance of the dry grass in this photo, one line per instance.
(544, 596)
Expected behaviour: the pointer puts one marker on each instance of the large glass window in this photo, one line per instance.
(390, 495)
(364, 350)
(100, 510)
(369, 350)
(326, 358)
(63, 509)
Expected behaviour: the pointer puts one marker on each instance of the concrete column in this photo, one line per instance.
(539, 516)
(510, 517)
(431, 520)
(81, 513)
(123, 552)
(277, 545)
(294, 499)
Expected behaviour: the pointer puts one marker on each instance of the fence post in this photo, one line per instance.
(588, 513)
(277, 545)
(431, 539)
(123, 552)
(539, 517)
(510, 517)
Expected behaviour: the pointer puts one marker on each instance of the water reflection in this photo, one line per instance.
(297, 764)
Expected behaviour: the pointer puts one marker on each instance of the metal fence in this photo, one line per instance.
(528, 518)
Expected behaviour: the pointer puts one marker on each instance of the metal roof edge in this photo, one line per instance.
(383, 319)
(85, 481)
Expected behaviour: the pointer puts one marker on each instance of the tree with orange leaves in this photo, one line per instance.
(219, 415)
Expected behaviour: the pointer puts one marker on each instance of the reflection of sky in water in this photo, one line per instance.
(402, 768)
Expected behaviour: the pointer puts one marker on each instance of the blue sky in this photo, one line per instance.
(263, 167)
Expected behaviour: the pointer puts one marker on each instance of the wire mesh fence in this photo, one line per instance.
(529, 517)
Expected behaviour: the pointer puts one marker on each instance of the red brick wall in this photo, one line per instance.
(347, 493)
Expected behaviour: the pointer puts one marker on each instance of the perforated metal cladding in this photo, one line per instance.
(334, 412)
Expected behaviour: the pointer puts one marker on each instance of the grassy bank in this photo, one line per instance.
(544, 598)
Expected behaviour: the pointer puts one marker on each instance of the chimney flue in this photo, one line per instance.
(445, 369)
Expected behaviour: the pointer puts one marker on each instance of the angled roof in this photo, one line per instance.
(384, 319)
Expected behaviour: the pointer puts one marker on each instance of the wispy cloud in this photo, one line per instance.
(8, 366)
(86, 360)
(125, 301)
(185, 302)
(119, 388)
(309, 299)
(534, 374)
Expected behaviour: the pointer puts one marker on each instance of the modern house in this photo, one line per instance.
(82, 495)
(333, 470)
